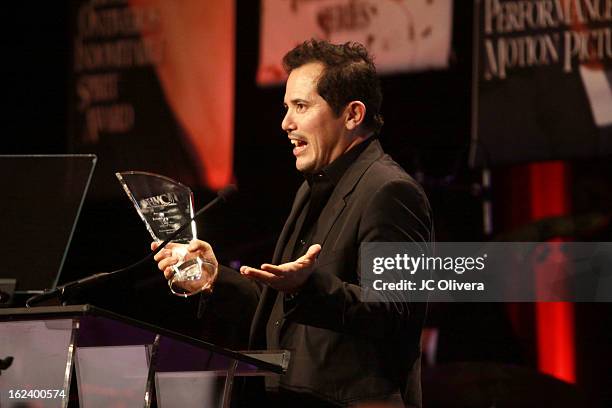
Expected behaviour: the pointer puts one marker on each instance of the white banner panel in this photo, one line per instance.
(403, 35)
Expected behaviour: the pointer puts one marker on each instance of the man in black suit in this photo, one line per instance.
(343, 351)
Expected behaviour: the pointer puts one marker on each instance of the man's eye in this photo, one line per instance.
(300, 107)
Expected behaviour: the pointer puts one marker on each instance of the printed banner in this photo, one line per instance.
(543, 80)
(153, 88)
(403, 35)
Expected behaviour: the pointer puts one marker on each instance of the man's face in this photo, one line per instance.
(318, 136)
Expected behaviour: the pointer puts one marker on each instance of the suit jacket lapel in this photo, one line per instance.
(296, 209)
(268, 295)
(337, 201)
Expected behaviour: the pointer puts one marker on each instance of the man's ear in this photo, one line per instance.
(355, 114)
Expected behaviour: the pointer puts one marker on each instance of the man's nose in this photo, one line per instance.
(288, 124)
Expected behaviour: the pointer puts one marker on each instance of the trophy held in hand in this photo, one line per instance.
(164, 205)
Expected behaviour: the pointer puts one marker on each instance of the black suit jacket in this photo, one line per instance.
(343, 350)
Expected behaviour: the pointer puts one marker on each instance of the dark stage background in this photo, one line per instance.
(427, 131)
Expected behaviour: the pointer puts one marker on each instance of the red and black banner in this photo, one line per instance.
(153, 87)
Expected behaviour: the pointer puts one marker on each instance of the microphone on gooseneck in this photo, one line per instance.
(223, 196)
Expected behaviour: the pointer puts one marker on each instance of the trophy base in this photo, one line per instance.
(191, 277)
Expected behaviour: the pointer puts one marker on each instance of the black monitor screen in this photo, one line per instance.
(41, 200)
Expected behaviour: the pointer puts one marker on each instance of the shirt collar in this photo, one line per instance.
(334, 171)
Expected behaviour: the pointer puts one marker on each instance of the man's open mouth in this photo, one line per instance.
(298, 146)
(298, 143)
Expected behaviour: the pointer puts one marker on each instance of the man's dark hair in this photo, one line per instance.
(349, 75)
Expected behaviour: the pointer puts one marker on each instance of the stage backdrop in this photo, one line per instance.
(153, 87)
(542, 80)
(403, 35)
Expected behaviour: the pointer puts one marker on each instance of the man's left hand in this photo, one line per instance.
(288, 277)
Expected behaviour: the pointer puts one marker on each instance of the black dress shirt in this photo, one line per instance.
(322, 185)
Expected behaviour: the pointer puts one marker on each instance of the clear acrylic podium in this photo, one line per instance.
(118, 361)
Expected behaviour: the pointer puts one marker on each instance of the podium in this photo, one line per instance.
(117, 361)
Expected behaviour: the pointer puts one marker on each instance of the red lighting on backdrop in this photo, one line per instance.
(554, 320)
(196, 72)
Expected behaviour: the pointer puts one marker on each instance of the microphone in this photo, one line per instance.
(6, 362)
(223, 196)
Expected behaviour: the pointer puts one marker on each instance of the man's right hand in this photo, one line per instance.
(168, 257)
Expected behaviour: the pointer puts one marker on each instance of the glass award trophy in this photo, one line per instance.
(164, 205)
